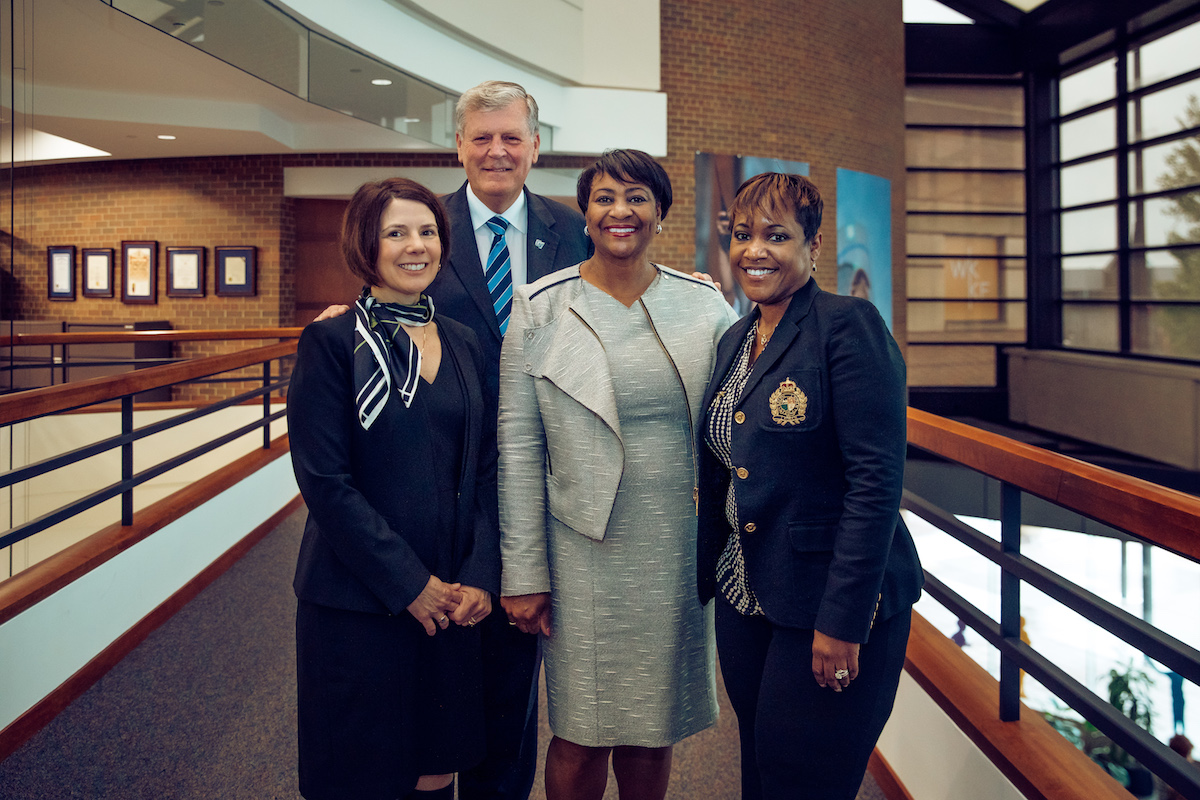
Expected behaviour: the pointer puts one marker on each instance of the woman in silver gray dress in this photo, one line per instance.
(601, 376)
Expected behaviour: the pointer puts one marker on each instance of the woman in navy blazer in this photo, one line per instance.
(400, 555)
(800, 538)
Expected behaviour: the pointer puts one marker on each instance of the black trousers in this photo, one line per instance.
(800, 740)
(510, 662)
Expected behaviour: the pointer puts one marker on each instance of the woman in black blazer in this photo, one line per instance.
(800, 537)
(400, 555)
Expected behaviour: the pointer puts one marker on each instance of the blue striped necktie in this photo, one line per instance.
(498, 273)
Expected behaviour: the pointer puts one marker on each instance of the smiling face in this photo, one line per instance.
(770, 258)
(410, 251)
(497, 150)
(621, 217)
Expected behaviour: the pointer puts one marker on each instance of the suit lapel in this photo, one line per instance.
(574, 360)
(464, 259)
(785, 333)
(541, 241)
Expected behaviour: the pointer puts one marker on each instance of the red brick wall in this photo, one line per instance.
(820, 81)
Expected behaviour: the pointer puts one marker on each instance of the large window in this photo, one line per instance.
(1128, 197)
(966, 230)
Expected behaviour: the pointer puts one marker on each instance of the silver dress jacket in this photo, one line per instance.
(561, 453)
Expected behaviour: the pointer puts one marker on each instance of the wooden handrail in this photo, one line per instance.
(1161, 516)
(40, 402)
(46, 577)
(105, 337)
(1039, 760)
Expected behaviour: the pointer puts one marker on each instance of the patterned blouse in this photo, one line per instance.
(731, 566)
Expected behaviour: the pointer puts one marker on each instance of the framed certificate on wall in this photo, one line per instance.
(60, 272)
(185, 272)
(98, 272)
(235, 271)
(139, 273)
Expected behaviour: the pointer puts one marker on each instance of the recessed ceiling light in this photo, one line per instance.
(381, 82)
(166, 137)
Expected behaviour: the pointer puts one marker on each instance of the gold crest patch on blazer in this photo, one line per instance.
(788, 404)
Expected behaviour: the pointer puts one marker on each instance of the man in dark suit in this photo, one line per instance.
(496, 130)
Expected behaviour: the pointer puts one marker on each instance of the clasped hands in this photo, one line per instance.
(529, 612)
(441, 603)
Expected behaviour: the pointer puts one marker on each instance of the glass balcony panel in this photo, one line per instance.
(250, 34)
(347, 81)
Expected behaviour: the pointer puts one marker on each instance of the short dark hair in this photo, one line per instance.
(360, 223)
(628, 166)
(778, 193)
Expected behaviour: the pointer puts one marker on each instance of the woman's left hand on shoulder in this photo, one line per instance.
(834, 662)
(475, 606)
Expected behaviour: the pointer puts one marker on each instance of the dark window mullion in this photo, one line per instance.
(1125, 315)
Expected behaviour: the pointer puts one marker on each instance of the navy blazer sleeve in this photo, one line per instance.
(867, 402)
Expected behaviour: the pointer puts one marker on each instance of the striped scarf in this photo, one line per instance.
(384, 354)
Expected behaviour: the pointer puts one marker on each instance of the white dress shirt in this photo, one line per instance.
(517, 216)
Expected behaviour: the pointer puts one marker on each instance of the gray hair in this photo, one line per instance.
(494, 96)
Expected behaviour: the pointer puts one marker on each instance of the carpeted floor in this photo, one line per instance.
(206, 708)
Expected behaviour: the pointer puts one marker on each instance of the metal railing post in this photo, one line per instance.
(127, 459)
(1010, 602)
(266, 406)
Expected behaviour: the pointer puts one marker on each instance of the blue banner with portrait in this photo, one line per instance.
(864, 238)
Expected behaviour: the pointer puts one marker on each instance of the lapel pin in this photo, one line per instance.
(539, 244)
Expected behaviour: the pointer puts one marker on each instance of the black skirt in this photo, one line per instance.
(381, 703)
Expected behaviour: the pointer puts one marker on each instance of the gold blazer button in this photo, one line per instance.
(750, 527)
(743, 473)
(739, 418)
